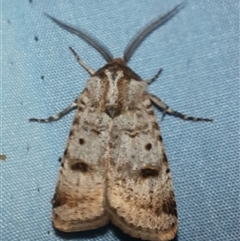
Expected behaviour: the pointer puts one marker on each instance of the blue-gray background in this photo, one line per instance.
(199, 52)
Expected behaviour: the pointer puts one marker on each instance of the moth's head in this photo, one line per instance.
(115, 66)
(119, 61)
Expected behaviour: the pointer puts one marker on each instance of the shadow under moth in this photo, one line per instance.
(114, 167)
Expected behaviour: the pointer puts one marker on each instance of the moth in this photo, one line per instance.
(114, 167)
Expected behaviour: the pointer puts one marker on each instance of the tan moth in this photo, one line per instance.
(114, 167)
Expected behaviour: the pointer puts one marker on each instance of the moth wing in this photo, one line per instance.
(140, 196)
(79, 200)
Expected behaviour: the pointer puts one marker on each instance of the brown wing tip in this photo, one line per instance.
(143, 233)
(78, 225)
(148, 234)
(168, 234)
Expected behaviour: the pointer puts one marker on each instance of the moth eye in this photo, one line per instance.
(80, 166)
(148, 147)
(81, 141)
(149, 172)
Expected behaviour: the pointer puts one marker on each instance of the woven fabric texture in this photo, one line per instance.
(198, 50)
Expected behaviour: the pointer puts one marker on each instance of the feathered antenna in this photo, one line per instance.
(132, 46)
(86, 37)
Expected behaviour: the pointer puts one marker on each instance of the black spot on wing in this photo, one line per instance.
(148, 147)
(80, 166)
(149, 172)
(81, 141)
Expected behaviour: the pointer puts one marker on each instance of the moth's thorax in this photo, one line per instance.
(115, 88)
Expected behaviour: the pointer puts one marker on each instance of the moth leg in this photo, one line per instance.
(155, 77)
(57, 116)
(167, 110)
(89, 70)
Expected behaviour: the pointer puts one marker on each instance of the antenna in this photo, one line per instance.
(86, 37)
(132, 46)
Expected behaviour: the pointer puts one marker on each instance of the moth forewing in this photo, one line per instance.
(79, 200)
(140, 197)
